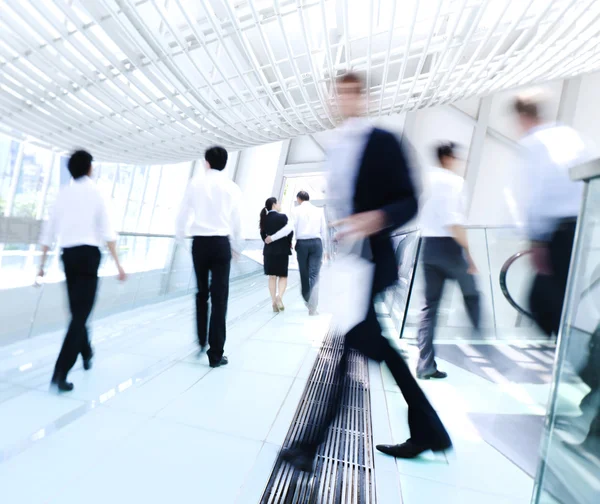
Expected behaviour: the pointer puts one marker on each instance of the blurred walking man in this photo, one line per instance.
(445, 253)
(553, 203)
(311, 234)
(374, 195)
(214, 202)
(80, 224)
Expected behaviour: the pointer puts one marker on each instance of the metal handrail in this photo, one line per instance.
(503, 272)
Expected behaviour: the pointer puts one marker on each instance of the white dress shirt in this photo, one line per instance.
(549, 152)
(443, 205)
(214, 201)
(308, 223)
(344, 158)
(79, 217)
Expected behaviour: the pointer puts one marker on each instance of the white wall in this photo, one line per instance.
(256, 171)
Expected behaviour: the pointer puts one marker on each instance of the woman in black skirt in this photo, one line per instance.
(276, 254)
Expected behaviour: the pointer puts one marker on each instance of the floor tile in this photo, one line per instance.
(150, 397)
(472, 465)
(421, 491)
(57, 461)
(285, 416)
(164, 462)
(256, 481)
(22, 416)
(240, 403)
(268, 357)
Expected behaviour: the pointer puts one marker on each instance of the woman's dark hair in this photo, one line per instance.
(445, 149)
(80, 164)
(263, 213)
(216, 158)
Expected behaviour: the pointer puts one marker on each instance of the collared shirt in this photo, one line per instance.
(344, 158)
(308, 222)
(79, 217)
(443, 203)
(549, 152)
(214, 202)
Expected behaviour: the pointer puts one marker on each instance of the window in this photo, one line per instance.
(9, 150)
(36, 166)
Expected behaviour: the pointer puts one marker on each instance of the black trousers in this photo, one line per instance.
(310, 259)
(547, 293)
(426, 428)
(442, 260)
(212, 255)
(81, 270)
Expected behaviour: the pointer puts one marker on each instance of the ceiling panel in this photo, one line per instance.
(157, 81)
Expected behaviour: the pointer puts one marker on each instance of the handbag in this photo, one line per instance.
(345, 288)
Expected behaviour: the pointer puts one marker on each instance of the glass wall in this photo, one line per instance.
(141, 199)
(570, 468)
(490, 247)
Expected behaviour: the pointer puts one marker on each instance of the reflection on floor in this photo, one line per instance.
(153, 423)
(527, 362)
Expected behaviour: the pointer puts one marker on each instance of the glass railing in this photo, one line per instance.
(569, 471)
(501, 316)
(158, 269)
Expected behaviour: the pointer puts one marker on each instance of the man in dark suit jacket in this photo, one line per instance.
(372, 194)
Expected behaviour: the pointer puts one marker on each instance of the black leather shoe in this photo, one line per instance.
(438, 375)
(87, 363)
(223, 362)
(409, 450)
(62, 384)
(299, 458)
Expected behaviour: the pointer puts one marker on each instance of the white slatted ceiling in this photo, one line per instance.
(157, 81)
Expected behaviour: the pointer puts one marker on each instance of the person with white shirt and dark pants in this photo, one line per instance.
(310, 230)
(445, 254)
(214, 202)
(552, 203)
(81, 225)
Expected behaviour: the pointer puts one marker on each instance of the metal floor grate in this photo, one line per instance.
(344, 467)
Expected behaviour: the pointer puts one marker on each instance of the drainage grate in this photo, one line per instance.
(344, 467)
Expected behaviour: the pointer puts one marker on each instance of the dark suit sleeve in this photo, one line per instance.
(401, 200)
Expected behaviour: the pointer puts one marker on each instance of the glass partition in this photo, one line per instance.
(490, 247)
(157, 268)
(569, 472)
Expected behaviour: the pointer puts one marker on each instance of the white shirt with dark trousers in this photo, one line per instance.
(80, 223)
(213, 202)
(551, 207)
(310, 229)
(442, 258)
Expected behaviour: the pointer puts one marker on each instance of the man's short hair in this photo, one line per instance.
(303, 196)
(80, 164)
(445, 149)
(216, 157)
(531, 103)
(352, 78)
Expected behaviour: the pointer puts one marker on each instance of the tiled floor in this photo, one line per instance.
(153, 423)
(474, 471)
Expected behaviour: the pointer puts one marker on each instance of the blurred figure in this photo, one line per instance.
(214, 202)
(80, 223)
(445, 254)
(311, 236)
(276, 254)
(553, 204)
(370, 179)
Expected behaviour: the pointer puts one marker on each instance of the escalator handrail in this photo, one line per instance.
(503, 272)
